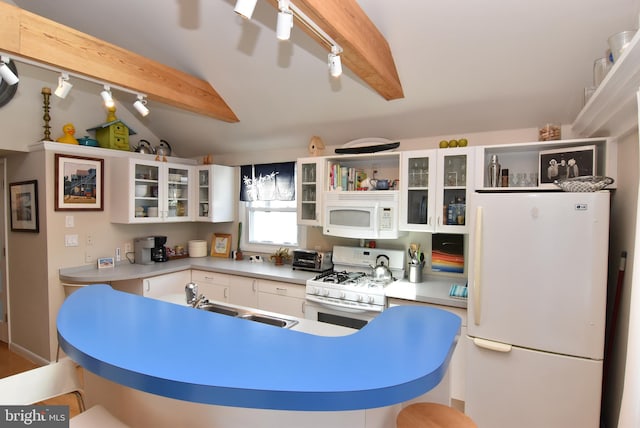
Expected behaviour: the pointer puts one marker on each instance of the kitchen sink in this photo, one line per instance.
(219, 309)
(248, 314)
(278, 322)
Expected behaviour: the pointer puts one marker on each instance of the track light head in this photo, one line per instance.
(63, 86)
(106, 97)
(245, 8)
(6, 73)
(141, 105)
(285, 20)
(335, 64)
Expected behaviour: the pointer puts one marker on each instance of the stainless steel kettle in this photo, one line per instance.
(144, 147)
(381, 272)
(163, 149)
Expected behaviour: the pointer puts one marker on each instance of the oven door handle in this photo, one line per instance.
(339, 307)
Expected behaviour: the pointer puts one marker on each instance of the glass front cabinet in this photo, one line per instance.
(309, 192)
(214, 195)
(154, 191)
(434, 189)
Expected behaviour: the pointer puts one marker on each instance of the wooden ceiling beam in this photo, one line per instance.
(365, 50)
(41, 40)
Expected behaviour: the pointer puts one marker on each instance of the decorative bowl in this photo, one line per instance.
(588, 183)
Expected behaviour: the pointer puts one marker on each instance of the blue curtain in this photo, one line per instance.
(268, 182)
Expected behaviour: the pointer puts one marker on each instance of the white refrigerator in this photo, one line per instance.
(537, 309)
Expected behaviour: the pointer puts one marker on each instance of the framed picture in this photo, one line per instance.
(221, 245)
(23, 202)
(105, 262)
(570, 162)
(79, 183)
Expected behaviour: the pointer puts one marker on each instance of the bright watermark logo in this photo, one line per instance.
(34, 416)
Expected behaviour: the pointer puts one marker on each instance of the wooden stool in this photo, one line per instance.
(432, 415)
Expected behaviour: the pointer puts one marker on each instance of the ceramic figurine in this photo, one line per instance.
(68, 138)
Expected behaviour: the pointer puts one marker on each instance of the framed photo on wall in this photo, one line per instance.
(79, 184)
(558, 164)
(23, 202)
(221, 245)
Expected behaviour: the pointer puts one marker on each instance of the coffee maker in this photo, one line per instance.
(143, 248)
(158, 252)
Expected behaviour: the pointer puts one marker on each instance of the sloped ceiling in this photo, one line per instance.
(465, 66)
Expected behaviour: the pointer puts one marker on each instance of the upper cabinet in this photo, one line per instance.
(612, 109)
(535, 166)
(434, 186)
(214, 193)
(309, 190)
(153, 191)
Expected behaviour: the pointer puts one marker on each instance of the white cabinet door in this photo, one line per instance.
(418, 191)
(243, 291)
(283, 298)
(310, 172)
(212, 285)
(457, 366)
(530, 389)
(163, 285)
(214, 193)
(453, 181)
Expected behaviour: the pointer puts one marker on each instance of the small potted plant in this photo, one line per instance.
(280, 256)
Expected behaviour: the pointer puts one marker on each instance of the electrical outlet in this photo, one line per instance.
(88, 257)
(127, 247)
(89, 240)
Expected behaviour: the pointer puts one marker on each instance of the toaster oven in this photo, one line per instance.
(315, 261)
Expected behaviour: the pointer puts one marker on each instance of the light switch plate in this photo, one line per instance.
(69, 221)
(70, 240)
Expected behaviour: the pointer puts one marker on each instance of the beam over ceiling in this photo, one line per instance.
(39, 39)
(365, 50)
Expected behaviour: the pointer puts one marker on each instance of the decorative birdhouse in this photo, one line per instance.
(114, 134)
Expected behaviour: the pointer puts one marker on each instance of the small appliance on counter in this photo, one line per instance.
(142, 250)
(159, 252)
(314, 261)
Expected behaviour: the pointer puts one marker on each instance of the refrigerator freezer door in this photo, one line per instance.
(531, 389)
(538, 271)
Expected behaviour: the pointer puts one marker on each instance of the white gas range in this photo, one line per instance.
(349, 295)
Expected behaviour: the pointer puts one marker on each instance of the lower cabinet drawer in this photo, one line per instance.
(281, 289)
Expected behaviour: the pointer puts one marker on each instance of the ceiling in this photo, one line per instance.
(465, 66)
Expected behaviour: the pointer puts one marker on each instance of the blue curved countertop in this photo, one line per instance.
(204, 357)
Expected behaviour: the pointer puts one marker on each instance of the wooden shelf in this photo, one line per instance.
(612, 109)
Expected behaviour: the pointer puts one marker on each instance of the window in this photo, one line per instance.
(268, 208)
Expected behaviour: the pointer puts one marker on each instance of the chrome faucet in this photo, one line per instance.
(191, 290)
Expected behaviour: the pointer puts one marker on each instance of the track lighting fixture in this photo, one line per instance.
(285, 20)
(335, 64)
(63, 86)
(6, 73)
(141, 105)
(245, 8)
(106, 97)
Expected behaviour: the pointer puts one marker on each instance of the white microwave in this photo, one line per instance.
(363, 215)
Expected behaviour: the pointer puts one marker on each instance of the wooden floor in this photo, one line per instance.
(12, 363)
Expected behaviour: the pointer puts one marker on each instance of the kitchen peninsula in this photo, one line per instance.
(201, 357)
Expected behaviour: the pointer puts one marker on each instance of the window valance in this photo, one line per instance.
(268, 182)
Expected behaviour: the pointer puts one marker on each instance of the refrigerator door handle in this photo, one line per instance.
(491, 345)
(477, 267)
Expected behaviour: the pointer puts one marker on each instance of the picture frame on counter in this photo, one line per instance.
(23, 203)
(105, 262)
(79, 183)
(558, 164)
(221, 245)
